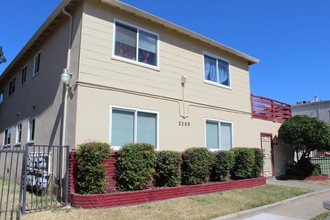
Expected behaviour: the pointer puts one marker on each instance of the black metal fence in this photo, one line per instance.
(11, 160)
(33, 178)
(46, 177)
(322, 158)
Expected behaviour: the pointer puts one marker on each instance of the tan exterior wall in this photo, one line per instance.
(179, 55)
(94, 120)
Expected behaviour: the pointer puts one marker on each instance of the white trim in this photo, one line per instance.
(219, 134)
(135, 110)
(16, 131)
(212, 82)
(115, 57)
(34, 64)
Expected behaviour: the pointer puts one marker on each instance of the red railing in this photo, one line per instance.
(269, 109)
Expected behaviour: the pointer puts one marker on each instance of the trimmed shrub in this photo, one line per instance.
(258, 162)
(168, 172)
(223, 162)
(304, 168)
(196, 164)
(244, 163)
(91, 177)
(135, 166)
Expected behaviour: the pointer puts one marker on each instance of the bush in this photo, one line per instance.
(244, 163)
(223, 162)
(303, 168)
(168, 172)
(91, 177)
(135, 166)
(258, 162)
(196, 164)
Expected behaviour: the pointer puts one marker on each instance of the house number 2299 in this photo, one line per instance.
(184, 123)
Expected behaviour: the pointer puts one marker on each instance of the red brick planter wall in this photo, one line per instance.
(142, 196)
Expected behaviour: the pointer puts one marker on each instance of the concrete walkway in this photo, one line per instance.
(303, 207)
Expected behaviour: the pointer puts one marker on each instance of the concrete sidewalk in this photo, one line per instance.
(302, 207)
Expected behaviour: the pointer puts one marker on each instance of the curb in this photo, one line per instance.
(250, 212)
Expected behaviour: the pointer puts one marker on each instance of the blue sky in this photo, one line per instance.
(290, 38)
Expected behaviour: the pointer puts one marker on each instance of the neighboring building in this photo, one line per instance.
(316, 109)
(135, 78)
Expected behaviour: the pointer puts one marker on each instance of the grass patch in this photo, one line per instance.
(323, 216)
(321, 182)
(194, 207)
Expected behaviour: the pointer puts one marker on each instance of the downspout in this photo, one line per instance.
(67, 87)
(65, 100)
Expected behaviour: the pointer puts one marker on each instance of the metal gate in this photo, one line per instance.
(34, 178)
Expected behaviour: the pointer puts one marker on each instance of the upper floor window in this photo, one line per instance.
(133, 126)
(1, 97)
(23, 79)
(7, 136)
(135, 44)
(36, 66)
(218, 135)
(12, 85)
(216, 70)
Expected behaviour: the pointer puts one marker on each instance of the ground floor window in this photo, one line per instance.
(31, 130)
(18, 133)
(7, 136)
(218, 135)
(133, 126)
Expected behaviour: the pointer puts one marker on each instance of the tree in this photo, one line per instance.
(305, 134)
(2, 58)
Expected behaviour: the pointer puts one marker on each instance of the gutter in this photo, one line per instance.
(34, 38)
(140, 13)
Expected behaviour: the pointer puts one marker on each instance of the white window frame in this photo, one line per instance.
(35, 72)
(217, 69)
(5, 139)
(29, 138)
(137, 45)
(219, 134)
(135, 110)
(19, 130)
(24, 71)
(10, 93)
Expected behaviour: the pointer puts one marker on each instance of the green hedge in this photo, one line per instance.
(91, 177)
(223, 162)
(135, 166)
(244, 163)
(258, 162)
(196, 164)
(248, 163)
(168, 171)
